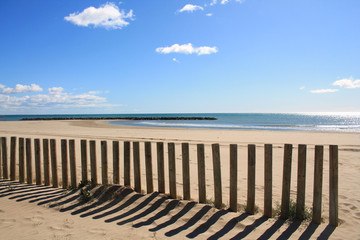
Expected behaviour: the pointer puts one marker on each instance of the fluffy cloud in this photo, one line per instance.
(348, 83)
(324, 91)
(187, 49)
(20, 89)
(108, 16)
(209, 14)
(213, 2)
(191, 8)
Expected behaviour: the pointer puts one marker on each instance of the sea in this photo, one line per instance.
(334, 122)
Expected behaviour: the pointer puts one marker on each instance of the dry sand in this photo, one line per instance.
(16, 215)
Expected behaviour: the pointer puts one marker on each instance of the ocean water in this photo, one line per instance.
(339, 122)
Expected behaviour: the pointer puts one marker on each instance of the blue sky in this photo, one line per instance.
(88, 56)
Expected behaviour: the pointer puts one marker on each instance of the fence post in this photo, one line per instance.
(12, 158)
(318, 175)
(84, 171)
(268, 180)
(285, 198)
(28, 161)
(72, 163)
(37, 161)
(250, 204)
(4, 158)
(137, 172)
(64, 163)
(217, 175)
(333, 185)
(93, 161)
(21, 161)
(148, 166)
(172, 170)
(301, 182)
(186, 170)
(160, 166)
(46, 162)
(201, 173)
(233, 177)
(127, 163)
(104, 162)
(116, 163)
(53, 163)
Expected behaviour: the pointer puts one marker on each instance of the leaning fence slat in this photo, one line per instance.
(116, 163)
(4, 158)
(160, 167)
(72, 163)
(301, 182)
(233, 177)
(268, 180)
(148, 166)
(37, 161)
(172, 170)
(93, 161)
(104, 163)
(217, 175)
(46, 164)
(201, 172)
(333, 185)
(285, 197)
(53, 163)
(21, 161)
(12, 158)
(137, 173)
(64, 163)
(84, 168)
(127, 163)
(250, 204)
(318, 175)
(28, 161)
(186, 170)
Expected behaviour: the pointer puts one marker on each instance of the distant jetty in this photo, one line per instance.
(119, 118)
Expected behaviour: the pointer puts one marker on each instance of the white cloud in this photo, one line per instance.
(223, 2)
(191, 8)
(302, 87)
(324, 91)
(209, 14)
(20, 89)
(175, 60)
(348, 83)
(187, 49)
(108, 16)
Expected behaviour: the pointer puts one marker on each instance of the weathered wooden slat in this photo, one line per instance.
(233, 177)
(318, 176)
(148, 167)
(137, 169)
(104, 163)
(12, 158)
(116, 162)
(93, 161)
(250, 204)
(285, 197)
(46, 163)
(186, 170)
(37, 162)
(172, 170)
(160, 167)
(21, 160)
(301, 182)
(334, 186)
(84, 167)
(28, 161)
(217, 175)
(201, 172)
(54, 171)
(64, 163)
(268, 180)
(5, 174)
(127, 163)
(72, 163)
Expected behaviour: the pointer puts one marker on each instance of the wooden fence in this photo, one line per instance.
(49, 161)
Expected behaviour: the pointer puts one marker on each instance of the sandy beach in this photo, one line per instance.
(44, 222)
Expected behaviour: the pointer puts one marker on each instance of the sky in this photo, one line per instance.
(175, 56)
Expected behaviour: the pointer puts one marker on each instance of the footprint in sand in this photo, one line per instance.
(98, 231)
(7, 221)
(36, 220)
